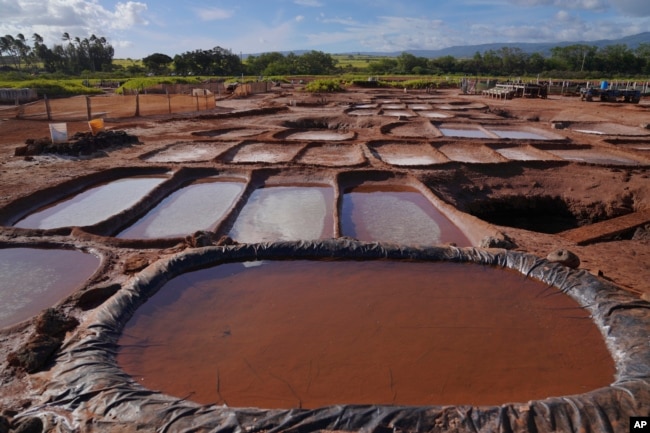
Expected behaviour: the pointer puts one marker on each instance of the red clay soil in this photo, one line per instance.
(589, 193)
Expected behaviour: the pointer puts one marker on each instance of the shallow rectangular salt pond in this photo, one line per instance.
(463, 133)
(517, 134)
(276, 213)
(92, 205)
(190, 152)
(32, 279)
(198, 206)
(524, 153)
(592, 156)
(397, 215)
(266, 152)
(289, 334)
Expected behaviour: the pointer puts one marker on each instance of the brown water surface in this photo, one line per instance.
(286, 334)
(397, 215)
(33, 279)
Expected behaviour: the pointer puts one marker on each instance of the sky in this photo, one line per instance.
(137, 29)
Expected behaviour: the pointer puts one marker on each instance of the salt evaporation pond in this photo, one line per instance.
(266, 152)
(523, 153)
(93, 205)
(189, 152)
(397, 215)
(398, 113)
(198, 206)
(463, 133)
(319, 135)
(290, 334)
(278, 213)
(592, 157)
(420, 106)
(409, 160)
(32, 280)
(518, 135)
(433, 114)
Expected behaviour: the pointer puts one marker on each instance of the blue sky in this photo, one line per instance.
(139, 28)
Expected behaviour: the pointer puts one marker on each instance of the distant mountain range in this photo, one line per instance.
(466, 51)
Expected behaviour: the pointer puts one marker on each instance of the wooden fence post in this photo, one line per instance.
(47, 107)
(88, 110)
(137, 104)
(169, 102)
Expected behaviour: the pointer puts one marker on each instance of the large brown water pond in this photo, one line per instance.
(285, 334)
(396, 214)
(33, 279)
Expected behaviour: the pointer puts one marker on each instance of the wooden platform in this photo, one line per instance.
(607, 229)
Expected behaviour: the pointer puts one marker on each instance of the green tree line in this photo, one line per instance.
(74, 56)
(94, 54)
(576, 61)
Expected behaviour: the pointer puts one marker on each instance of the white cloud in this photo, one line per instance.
(213, 14)
(129, 14)
(80, 18)
(299, 18)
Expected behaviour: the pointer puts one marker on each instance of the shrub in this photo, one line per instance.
(324, 86)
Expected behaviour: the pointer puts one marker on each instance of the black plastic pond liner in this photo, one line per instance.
(88, 392)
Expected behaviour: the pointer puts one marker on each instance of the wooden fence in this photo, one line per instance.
(113, 106)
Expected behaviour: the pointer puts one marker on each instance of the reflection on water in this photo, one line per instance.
(593, 157)
(518, 135)
(407, 160)
(519, 154)
(398, 216)
(320, 135)
(33, 279)
(93, 205)
(463, 133)
(285, 213)
(195, 207)
(291, 334)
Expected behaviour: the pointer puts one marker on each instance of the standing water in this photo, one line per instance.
(93, 205)
(286, 213)
(199, 206)
(34, 279)
(396, 215)
(289, 334)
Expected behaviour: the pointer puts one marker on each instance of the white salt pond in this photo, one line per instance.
(266, 152)
(93, 205)
(463, 133)
(523, 153)
(409, 160)
(433, 115)
(189, 152)
(518, 135)
(198, 206)
(33, 279)
(397, 113)
(283, 213)
(324, 135)
(593, 157)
